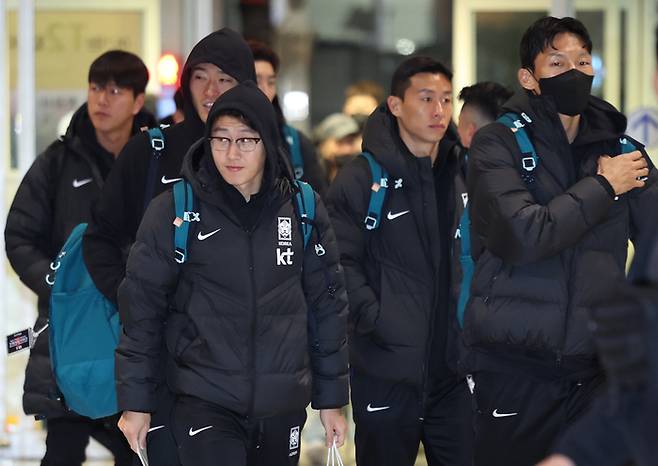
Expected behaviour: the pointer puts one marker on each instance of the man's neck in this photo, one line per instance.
(113, 141)
(420, 149)
(570, 125)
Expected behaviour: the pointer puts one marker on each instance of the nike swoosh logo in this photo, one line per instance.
(155, 428)
(392, 216)
(193, 432)
(497, 414)
(201, 236)
(166, 180)
(372, 409)
(77, 183)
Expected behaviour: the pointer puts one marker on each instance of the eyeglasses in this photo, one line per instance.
(222, 144)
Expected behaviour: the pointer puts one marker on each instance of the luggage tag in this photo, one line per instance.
(23, 340)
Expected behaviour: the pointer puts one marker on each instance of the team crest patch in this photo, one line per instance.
(294, 438)
(285, 228)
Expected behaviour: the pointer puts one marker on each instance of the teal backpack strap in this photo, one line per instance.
(529, 160)
(377, 193)
(157, 141)
(467, 265)
(292, 138)
(184, 208)
(626, 146)
(305, 200)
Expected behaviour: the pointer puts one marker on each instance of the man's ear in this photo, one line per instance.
(139, 103)
(394, 103)
(527, 80)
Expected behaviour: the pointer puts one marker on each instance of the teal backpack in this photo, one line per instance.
(84, 326)
(185, 214)
(84, 332)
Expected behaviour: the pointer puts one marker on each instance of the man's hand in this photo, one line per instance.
(623, 171)
(335, 425)
(135, 426)
(557, 460)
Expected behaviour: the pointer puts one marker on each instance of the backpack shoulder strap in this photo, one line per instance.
(529, 160)
(305, 201)
(626, 145)
(377, 192)
(292, 138)
(467, 264)
(184, 209)
(157, 142)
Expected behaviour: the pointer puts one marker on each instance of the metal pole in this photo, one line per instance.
(562, 8)
(26, 87)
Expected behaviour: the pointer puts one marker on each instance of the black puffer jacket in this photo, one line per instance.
(549, 252)
(393, 273)
(243, 330)
(121, 205)
(55, 195)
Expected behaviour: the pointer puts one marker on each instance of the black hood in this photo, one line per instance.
(603, 121)
(249, 101)
(224, 48)
(381, 137)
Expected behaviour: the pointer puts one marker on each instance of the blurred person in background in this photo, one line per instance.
(301, 152)
(361, 99)
(482, 105)
(338, 140)
(179, 114)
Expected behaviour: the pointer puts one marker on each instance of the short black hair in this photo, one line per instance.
(407, 69)
(541, 34)
(237, 114)
(486, 97)
(126, 69)
(262, 52)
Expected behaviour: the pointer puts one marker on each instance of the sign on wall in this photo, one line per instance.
(67, 41)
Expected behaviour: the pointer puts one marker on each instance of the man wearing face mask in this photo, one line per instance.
(553, 239)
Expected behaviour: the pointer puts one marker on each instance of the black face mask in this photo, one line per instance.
(570, 91)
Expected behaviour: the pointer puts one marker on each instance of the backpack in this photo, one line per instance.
(292, 138)
(527, 166)
(84, 332)
(185, 214)
(84, 325)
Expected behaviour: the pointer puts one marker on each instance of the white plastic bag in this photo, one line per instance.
(333, 456)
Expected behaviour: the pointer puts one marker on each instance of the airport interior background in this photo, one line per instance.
(324, 45)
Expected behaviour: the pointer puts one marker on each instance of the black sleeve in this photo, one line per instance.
(30, 223)
(116, 217)
(509, 221)
(596, 439)
(314, 173)
(151, 278)
(326, 298)
(347, 201)
(643, 203)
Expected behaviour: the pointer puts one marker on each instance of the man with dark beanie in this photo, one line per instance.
(251, 339)
(216, 64)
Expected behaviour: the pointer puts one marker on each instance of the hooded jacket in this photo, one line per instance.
(260, 337)
(394, 282)
(550, 248)
(121, 205)
(56, 194)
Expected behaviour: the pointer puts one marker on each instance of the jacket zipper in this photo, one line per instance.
(254, 322)
(558, 357)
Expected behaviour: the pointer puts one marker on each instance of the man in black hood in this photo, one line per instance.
(216, 64)
(254, 320)
(55, 195)
(554, 227)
